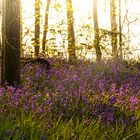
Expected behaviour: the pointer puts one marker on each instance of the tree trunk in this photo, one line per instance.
(113, 27)
(96, 32)
(120, 30)
(45, 26)
(37, 27)
(11, 42)
(71, 35)
(21, 33)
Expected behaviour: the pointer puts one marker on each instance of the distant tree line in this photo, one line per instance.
(71, 32)
(11, 35)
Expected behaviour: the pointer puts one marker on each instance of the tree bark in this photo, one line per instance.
(96, 32)
(11, 39)
(71, 34)
(120, 30)
(37, 27)
(113, 27)
(45, 26)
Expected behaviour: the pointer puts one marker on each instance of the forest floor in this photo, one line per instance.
(82, 101)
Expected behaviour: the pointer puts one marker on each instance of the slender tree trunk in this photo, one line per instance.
(3, 43)
(120, 30)
(128, 26)
(21, 29)
(45, 26)
(96, 32)
(37, 27)
(113, 27)
(11, 42)
(71, 34)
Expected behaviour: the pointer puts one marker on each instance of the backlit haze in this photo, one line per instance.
(83, 12)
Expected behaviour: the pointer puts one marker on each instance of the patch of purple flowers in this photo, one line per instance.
(86, 90)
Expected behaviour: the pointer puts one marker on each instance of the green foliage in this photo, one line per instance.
(36, 127)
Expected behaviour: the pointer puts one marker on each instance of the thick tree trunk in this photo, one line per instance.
(45, 26)
(96, 32)
(113, 28)
(11, 42)
(37, 27)
(71, 34)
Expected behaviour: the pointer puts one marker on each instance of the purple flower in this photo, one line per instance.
(113, 100)
(8, 132)
(107, 117)
(134, 100)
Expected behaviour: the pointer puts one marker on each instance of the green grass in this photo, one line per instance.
(36, 127)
